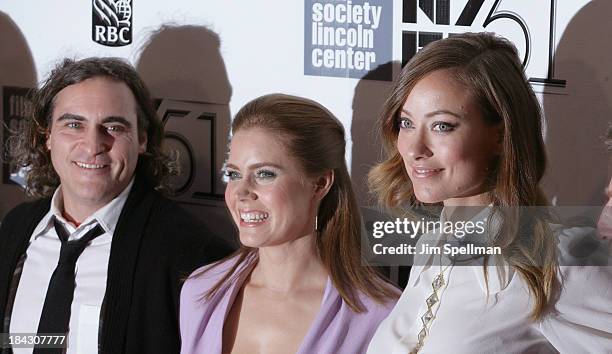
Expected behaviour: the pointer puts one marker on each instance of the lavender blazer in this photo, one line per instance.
(336, 328)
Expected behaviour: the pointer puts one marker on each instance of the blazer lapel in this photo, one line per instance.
(122, 266)
(13, 244)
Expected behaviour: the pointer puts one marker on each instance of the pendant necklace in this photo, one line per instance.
(433, 299)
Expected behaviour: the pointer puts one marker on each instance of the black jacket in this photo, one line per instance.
(156, 244)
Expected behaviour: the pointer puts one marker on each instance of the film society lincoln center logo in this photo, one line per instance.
(345, 38)
(112, 22)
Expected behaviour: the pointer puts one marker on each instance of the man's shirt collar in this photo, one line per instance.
(107, 216)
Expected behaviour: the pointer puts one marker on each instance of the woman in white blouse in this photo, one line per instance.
(462, 128)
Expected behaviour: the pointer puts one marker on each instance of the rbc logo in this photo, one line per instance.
(112, 22)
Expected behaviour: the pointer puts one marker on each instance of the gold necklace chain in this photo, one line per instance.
(433, 299)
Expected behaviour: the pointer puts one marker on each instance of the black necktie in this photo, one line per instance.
(55, 315)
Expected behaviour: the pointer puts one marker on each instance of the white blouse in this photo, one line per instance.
(466, 320)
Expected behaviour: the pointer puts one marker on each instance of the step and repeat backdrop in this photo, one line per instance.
(203, 60)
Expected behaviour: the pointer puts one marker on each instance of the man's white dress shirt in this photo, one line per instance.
(468, 321)
(42, 256)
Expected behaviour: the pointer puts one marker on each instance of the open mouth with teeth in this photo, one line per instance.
(253, 217)
(426, 172)
(89, 166)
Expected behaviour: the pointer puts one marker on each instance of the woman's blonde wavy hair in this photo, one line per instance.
(489, 67)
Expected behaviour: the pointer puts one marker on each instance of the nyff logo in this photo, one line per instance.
(112, 22)
(528, 24)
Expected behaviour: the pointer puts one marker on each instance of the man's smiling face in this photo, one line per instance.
(94, 142)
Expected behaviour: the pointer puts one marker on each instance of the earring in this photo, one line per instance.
(316, 222)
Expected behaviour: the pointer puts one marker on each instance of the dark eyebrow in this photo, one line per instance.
(256, 165)
(442, 112)
(117, 119)
(70, 116)
(437, 112)
(111, 119)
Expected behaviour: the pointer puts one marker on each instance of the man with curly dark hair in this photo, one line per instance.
(101, 255)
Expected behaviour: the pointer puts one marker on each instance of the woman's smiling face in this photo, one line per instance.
(269, 197)
(447, 147)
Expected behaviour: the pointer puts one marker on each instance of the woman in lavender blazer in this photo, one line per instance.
(297, 283)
